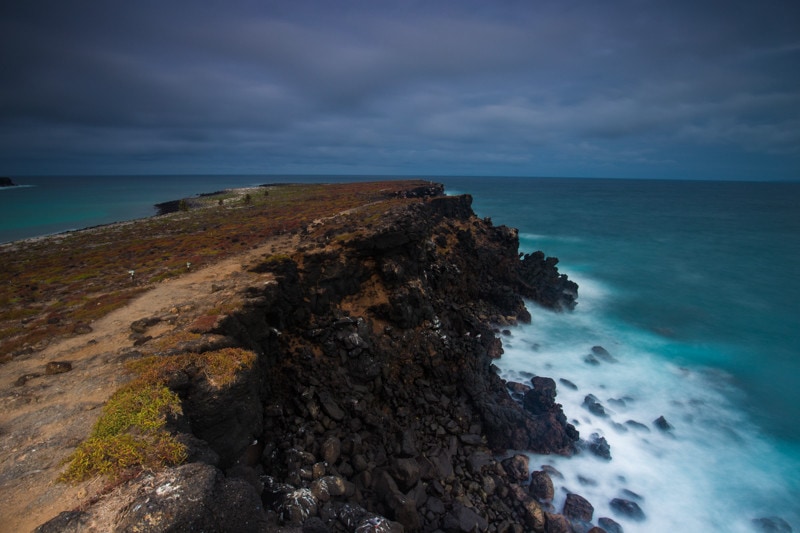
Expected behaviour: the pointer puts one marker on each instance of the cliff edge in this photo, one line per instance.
(371, 403)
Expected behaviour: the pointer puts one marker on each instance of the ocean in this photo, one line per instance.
(44, 205)
(691, 287)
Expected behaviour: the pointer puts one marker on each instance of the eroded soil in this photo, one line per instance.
(43, 419)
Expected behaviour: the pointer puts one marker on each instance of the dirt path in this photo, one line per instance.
(42, 420)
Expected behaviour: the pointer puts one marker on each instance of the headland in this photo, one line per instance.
(281, 358)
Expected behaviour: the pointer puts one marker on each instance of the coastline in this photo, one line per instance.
(367, 328)
(52, 204)
(350, 228)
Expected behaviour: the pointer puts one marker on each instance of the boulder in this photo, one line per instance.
(405, 472)
(567, 383)
(516, 468)
(599, 446)
(541, 486)
(593, 405)
(330, 406)
(297, 506)
(602, 354)
(609, 525)
(637, 426)
(532, 514)
(557, 523)
(327, 487)
(662, 424)
(192, 497)
(628, 509)
(331, 449)
(576, 507)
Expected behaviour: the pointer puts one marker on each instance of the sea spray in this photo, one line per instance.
(681, 447)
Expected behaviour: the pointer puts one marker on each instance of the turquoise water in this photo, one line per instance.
(45, 205)
(691, 286)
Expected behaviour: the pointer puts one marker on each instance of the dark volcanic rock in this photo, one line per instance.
(544, 284)
(540, 402)
(602, 354)
(516, 468)
(599, 446)
(578, 507)
(638, 426)
(374, 401)
(541, 486)
(567, 383)
(6, 182)
(609, 525)
(556, 523)
(593, 405)
(192, 497)
(627, 508)
(541, 398)
(662, 424)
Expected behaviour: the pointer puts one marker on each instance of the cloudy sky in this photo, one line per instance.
(635, 89)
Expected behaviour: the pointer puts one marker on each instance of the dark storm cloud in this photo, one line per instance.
(567, 88)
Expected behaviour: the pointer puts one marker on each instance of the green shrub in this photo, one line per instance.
(130, 434)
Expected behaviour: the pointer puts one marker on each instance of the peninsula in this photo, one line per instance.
(281, 358)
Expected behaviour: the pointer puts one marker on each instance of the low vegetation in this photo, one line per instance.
(133, 431)
(130, 434)
(56, 286)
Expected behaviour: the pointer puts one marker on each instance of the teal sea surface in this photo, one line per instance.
(53, 204)
(692, 287)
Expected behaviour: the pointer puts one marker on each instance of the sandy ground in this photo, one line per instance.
(44, 419)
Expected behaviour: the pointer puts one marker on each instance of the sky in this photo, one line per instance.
(570, 88)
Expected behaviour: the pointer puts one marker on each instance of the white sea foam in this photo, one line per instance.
(711, 472)
(535, 237)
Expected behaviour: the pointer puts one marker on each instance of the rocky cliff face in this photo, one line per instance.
(374, 405)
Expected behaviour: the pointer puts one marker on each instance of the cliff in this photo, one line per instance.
(371, 403)
(6, 182)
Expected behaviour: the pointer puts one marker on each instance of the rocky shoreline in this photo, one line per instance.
(374, 404)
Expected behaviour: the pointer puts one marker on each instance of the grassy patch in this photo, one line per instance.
(132, 432)
(218, 367)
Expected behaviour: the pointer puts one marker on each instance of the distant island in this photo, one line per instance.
(7, 182)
